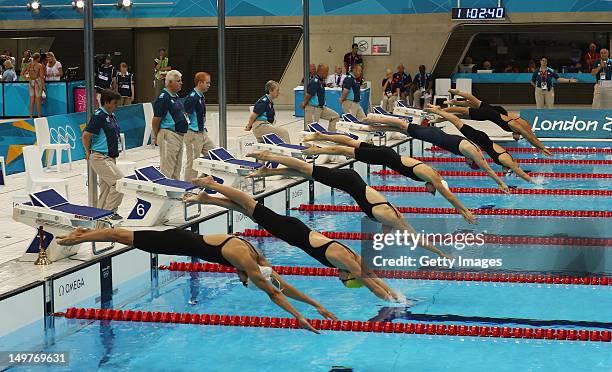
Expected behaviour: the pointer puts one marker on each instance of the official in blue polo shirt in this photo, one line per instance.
(351, 90)
(423, 84)
(261, 120)
(169, 125)
(196, 139)
(102, 143)
(602, 70)
(105, 75)
(314, 100)
(543, 80)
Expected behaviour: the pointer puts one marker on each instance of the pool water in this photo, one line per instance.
(113, 345)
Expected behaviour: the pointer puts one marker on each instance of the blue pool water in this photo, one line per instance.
(112, 346)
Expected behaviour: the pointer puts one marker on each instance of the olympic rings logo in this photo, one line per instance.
(63, 135)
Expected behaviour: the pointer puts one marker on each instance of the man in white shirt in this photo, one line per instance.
(336, 79)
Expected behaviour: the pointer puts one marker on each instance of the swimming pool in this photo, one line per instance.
(122, 345)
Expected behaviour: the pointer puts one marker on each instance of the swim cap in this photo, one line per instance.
(445, 184)
(473, 164)
(266, 271)
(352, 282)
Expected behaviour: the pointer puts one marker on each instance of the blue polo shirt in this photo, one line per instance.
(195, 107)
(422, 80)
(353, 87)
(170, 108)
(546, 76)
(264, 108)
(316, 89)
(401, 80)
(607, 69)
(105, 137)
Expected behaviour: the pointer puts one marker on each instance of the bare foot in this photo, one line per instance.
(315, 136)
(203, 181)
(260, 155)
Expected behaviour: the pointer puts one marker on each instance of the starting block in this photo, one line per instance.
(231, 171)
(351, 124)
(402, 110)
(276, 145)
(155, 195)
(49, 209)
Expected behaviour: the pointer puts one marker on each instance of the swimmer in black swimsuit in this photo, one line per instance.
(223, 249)
(328, 252)
(371, 202)
(479, 110)
(382, 155)
(496, 152)
(456, 144)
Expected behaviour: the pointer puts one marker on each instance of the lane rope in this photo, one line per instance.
(479, 211)
(488, 238)
(337, 325)
(457, 276)
(483, 190)
(431, 159)
(559, 150)
(388, 172)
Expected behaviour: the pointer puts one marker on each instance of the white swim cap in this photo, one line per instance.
(266, 271)
(445, 186)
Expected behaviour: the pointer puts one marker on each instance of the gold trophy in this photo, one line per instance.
(42, 259)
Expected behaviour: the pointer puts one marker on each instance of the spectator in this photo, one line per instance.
(312, 70)
(314, 100)
(486, 65)
(35, 73)
(27, 58)
(531, 67)
(602, 70)
(423, 82)
(467, 66)
(7, 55)
(9, 75)
(261, 120)
(105, 77)
(124, 81)
(351, 93)
(353, 58)
(53, 69)
(390, 92)
(510, 68)
(102, 142)
(162, 66)
(590, 57)
(575, 66)
(335, 80)
(196, 139)
(542, 81)
(403, 82)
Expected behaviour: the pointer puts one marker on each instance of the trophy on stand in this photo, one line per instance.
(42, 259)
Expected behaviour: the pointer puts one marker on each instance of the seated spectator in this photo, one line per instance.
(53, 68)
(423, 84)
(9, 75)
(531, 67)
(388, 91)
(467, 66)
(486, 65)
(591, 57)
(510, 68)
(403, 83)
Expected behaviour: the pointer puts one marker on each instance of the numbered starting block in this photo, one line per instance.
(351, 124)
(57, 216)
(231, 171)
(156, 196)
(402, 110)
(276, 145)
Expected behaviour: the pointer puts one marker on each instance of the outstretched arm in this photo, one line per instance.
(527, 133)
(490, 172)
(296, 294)
(520, 172)
(448, 195)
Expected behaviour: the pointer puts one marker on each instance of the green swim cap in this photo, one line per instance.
(352, 282)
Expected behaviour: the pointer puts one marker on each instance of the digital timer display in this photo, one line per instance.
(460, 14)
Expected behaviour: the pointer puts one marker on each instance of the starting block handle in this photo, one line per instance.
(94, 250)
(188, 217)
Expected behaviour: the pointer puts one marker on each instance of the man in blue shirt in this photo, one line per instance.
(102, 143)
(423, 83)
(351, 90)
(169, 125)
(314, 100)
(403, 82)
(105, 75)
(261, 119)
(602, 70)
(542, 81)
(196, 139)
